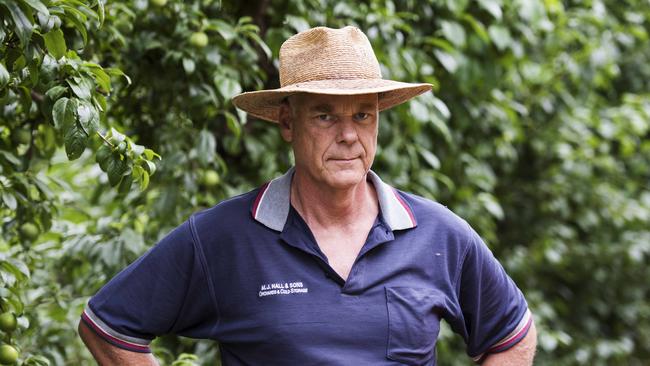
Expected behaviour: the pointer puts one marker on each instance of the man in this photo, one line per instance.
(327, 264)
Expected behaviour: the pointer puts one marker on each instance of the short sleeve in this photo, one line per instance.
(166, 291)
(494, 314)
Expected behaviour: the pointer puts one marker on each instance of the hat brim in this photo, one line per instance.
(265, 104)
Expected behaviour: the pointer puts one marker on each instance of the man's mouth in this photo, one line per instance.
(344, 159)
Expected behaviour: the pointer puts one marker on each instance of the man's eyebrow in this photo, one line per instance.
(323, 108)
(328, 108)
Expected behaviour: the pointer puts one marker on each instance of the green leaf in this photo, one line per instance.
(7, 278)
(441, 107)
(73, 9)
(125, 184)
(46, 22)
(116, 136)
(36, 360)
(206, 149)
(448, 61)
(117, 72)
(24, 26)
(63, 112)
(80, 25)
(38, 6)
(144, 180)
(491, 205)
(9, 200)
(10, 157)
(140, 175)
(456, 6)
(15, 301)
(55, 43)
(88, 117)
(493, 7)
(103, 156)
(4, 75)
(75, 141)
(454, 32)
(17, 267)
(267, 51)
(297, 23)
(100, 102)
(500, 36)
(189, 65)
(430, 158)
(101, 12)
(440, 43)
(82, 87)
(102, 78)
(442, 127)
(43, 187)
(56, 92)
(65, 118)
(115, 168)
(224, 29)
(233, 124)
(25, 96)
(226, 86)
(150, 154)
(51, 96)
(150, 167)
(477, 26)
(137, 150)
(419, 110)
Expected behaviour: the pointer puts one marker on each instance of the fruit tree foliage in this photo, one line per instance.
(116, 124)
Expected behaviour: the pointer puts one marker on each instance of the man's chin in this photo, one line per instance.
(346, 179)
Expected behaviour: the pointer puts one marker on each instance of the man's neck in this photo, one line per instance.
(325, 207)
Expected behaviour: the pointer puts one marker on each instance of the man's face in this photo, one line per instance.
(334, 138)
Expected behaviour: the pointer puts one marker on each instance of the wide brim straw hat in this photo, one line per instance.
(323, 60)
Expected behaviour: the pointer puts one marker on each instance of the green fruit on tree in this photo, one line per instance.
(29, 231)
(8, 322)
(199, 39)
(22, 136)
(210, 178)
(8, 355)
(159, 3)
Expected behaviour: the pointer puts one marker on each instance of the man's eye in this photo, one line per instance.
(361, 116)
(325, 117)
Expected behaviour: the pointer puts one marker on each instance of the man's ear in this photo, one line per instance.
(285, 121)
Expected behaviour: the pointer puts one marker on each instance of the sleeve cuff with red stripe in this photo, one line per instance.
(511, 339)
(113, 337)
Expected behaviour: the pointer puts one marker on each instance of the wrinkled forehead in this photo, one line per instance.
(327, 103)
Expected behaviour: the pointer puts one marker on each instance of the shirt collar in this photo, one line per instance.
(273, 201)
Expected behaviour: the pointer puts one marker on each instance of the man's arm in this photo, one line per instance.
(107, 354)
(521, 354)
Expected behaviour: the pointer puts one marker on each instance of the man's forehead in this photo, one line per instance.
(329, 103)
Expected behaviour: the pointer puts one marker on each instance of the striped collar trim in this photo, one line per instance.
(273, 201)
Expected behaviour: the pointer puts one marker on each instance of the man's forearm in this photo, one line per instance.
(521, 354)
(107, 354)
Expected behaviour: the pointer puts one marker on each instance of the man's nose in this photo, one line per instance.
(347, 131)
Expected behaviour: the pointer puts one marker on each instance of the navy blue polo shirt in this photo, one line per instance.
(249, 274)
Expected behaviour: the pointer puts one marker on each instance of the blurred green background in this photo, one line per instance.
(538, 133)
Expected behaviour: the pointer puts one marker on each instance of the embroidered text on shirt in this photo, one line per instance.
(279, 288)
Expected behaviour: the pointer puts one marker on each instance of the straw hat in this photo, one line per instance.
(327, 61)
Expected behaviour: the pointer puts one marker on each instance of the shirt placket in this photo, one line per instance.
(298, 235)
